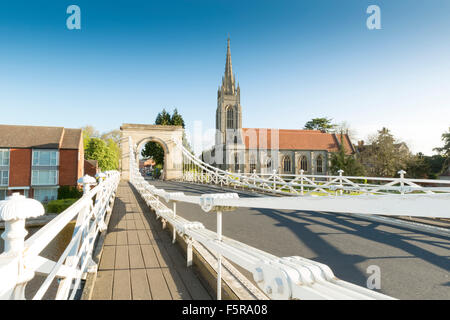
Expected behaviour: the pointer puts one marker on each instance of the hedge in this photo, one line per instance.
(69, 192)
(58, 206)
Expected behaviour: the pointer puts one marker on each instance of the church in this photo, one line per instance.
(260, 150)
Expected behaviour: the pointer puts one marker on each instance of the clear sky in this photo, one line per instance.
(294, 60)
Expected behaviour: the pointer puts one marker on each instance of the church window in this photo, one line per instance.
(236, 162)
(230, 118)
(304, 163)
(319, 164)
(287, 164)
(269, 163)
(252, 164)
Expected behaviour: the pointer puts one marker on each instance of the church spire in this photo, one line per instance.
(228, 80)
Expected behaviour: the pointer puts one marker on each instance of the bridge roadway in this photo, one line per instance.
(413, 264)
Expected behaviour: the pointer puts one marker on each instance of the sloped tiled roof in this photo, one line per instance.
(294, 140)
(14, 136)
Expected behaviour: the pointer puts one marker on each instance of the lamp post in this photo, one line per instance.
(86, 181)
(14, 275)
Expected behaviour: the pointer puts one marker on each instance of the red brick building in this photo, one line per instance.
(36, 161)
(91, 167)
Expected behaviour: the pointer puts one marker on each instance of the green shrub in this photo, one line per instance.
(69, 192)
(58, 206)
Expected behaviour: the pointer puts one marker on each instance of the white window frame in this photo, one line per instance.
(35, 160)
(37, 190)
(4, 173)
(35, 178)
(3, 152)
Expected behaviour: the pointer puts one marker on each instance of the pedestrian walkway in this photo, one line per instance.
(139, 262)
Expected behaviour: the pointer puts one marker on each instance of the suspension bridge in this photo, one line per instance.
(258, 236)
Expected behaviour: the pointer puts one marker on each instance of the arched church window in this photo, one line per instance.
(252, 164)
(230, 118)
(269, 163)
(319, 164)
(304, 163)
(236, 162)
(287, 164)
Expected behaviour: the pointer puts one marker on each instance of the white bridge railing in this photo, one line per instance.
(360, 195)
(21, 260)
(279, 278)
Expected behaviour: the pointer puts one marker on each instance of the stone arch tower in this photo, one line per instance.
(164, 135)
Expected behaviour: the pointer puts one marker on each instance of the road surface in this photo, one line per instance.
(413, 264)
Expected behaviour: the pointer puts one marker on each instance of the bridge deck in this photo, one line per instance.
(138, 260)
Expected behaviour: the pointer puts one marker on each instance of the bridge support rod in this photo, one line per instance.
(219, 256)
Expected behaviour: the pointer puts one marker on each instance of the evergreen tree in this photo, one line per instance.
(155, 150)
(323, 124)
(445, 151)
(177, 119)
(163, 118)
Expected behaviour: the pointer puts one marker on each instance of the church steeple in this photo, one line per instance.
(228, 83)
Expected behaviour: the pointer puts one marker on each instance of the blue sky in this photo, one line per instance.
(294, 60)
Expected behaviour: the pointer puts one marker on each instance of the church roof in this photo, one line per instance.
(260, 138)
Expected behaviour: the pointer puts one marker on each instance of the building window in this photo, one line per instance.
(4, 157)
(269, 163)
(44, 177)
(45, 158)
(4, 178)
(236, 162)
(230, 118)
(304, 163)
(45, 194)
(287, 164)
(252, 164)
(2, 194)
(319, 164)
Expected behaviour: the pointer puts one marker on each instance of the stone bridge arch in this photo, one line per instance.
(164, 135)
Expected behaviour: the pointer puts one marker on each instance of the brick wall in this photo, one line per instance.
(20, 167)
(68, 167)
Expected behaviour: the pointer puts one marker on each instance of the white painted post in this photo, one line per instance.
(14, 275)
(301, 180)
(86, 181)
(340, 180)
(219, 256)
(100, 176)
(402, 181)
(239, 178)
(174, 209)
(274, 173)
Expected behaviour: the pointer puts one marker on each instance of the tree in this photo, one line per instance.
(323, 124)
(163, 118)
(340, 160)
(445, 151)
(177, 119)
(385, 156)
(115, 135)
(155, 150)
(103, 148)
(88, 133)
(344, 127)
(418, 167)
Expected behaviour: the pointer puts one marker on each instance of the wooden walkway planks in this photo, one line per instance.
(139, 262)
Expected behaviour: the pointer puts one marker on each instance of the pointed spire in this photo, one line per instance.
(228, 80)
